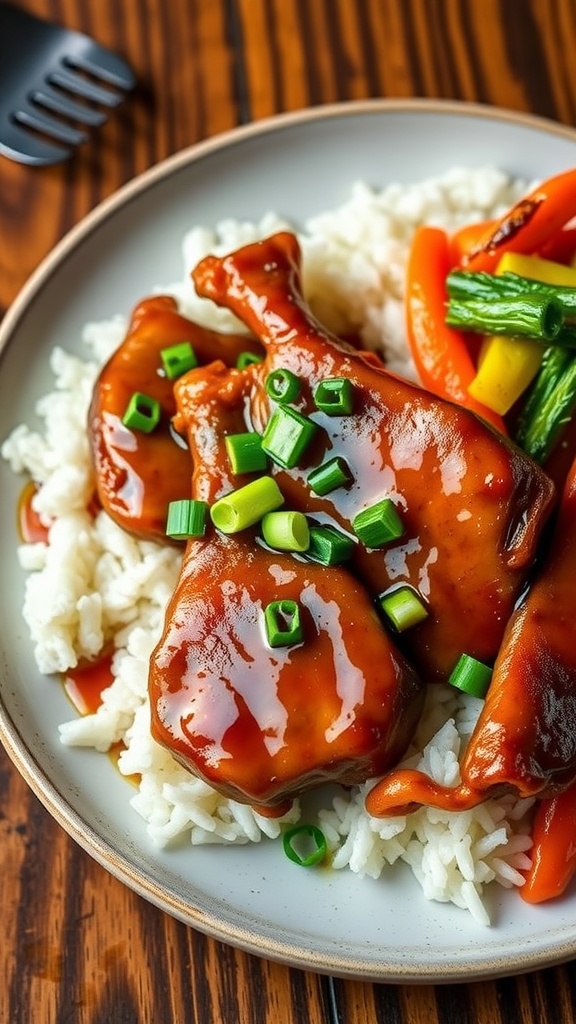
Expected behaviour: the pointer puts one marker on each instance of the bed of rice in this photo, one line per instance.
(93, 585)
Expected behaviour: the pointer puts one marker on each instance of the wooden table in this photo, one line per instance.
(84, 948)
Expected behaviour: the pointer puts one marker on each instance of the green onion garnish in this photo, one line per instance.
(245, 452)
(282, 385)
(378, 524)
(330, 475)
(282, 623)
(246, 505)
(286, 531)
(178, 359)
(335, 396)
(247, 359)
(305, 845)
(403, 608)
(287, 435)
(471, 675)
(329, 546)
(186, 518)
(142, 413)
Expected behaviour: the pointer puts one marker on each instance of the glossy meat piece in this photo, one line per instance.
(525, 738)
(473, 505)
(262, 725)
(138, 474)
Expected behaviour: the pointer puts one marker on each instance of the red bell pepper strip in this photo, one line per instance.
(467, 238)
(554, 849)
(561, 247)
(528, 225)
(440, 353)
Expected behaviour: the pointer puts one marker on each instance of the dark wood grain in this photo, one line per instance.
(76, 945)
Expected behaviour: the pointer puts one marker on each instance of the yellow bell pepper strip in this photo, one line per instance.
(529, 224)
(537, 269)
(440, 353)
(554, 848)
(507, 366)
(550, 403)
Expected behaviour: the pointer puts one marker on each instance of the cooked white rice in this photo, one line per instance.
(93, 584)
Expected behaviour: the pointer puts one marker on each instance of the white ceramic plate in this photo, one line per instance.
(249, 896)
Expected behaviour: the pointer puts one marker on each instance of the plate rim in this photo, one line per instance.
(80, 830)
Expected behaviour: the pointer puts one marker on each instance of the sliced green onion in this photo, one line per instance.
(403, 608)
(305, 845)
(245, 452)
(248, 359)
(335, 396)
(283, 624)
(329, 546)
(471, 675)
(286, 531)
(287, 435)
(178, 359)
(378, 524)
(330, 475)
(246, 505)
(142, 413)
(186, 518)
(522, 316)
(282, 385)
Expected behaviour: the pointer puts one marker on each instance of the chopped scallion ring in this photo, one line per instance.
(403, 608)
(329, 546)
(379, 524)
(186, 518)
(245, 452)
(335, 396)
(247, 359)
(142, 413)
(330, 475)
(287, 435)
(471, 676)
(282, 385)
(178, 359)
(286, 531)
(283, 624)
(247, 505)
(305, 845)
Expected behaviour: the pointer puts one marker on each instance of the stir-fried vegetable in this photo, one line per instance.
(529, 225)
(554, 850)
(506, 367)
(526, 316)
(550, 405)
(509, 281)
(440, 352)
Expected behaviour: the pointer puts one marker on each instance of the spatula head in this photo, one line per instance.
(53, 84)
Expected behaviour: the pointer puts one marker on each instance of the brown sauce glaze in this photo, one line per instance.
(85, 683)
(473, 505)
(139, 474)
(31, 528)
(525, 738)
(263, 724)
